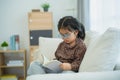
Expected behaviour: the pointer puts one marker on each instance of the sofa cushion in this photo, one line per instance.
(117, 66)
(102, 52)
(48, 46)
(90, 36)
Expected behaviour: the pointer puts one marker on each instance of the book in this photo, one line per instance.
(15, 63)
(8, 77)
(52, 66)
(17, 42)
(14, 42)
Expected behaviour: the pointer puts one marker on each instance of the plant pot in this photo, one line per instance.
(45, 9)
(4, 48)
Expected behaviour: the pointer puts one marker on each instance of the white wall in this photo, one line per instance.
(14, 17)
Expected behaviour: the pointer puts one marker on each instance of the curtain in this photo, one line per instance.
(104, 14)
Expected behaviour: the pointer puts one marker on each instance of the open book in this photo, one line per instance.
(52, 66)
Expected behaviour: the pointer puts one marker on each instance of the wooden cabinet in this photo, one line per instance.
(39, 24)
(40, 21)
(13, 55)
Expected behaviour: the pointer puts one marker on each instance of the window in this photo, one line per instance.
(104, 14)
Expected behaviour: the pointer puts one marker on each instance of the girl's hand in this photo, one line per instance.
(65, 66)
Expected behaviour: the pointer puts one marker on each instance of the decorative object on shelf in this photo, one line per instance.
(4, 45)
(35, 10)
(14, 42)
(45, 7)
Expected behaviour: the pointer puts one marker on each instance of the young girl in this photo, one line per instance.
(71, 51)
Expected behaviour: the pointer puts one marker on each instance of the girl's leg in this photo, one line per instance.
(35, 68)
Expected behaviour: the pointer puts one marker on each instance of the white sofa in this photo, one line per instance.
(101, 61)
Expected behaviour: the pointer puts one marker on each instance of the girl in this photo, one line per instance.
(71, 51)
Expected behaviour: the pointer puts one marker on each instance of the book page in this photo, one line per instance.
(52, 66)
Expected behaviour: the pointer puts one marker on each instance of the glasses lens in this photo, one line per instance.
(65, 35)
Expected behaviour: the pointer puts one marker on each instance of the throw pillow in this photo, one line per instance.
(102, 53)
(48, 46)
(90, 35)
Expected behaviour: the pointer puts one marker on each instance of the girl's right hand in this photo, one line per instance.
(65, 66)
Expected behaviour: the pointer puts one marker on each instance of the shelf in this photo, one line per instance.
(5, 66)
(6, 56)
(12, 51)
(19, 78)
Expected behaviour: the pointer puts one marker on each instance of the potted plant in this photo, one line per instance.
(45, 6)
(4, 45)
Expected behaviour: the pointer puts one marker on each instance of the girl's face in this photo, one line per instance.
(68, 36)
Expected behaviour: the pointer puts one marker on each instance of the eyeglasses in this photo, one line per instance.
(67, 35)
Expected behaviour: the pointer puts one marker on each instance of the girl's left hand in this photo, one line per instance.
(65, 66)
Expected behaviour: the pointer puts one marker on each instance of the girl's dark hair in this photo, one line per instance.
(72, 24)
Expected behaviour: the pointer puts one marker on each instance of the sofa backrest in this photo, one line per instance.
(102, 53)
(92, 35)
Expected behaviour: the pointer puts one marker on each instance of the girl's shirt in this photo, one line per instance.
(73, 55)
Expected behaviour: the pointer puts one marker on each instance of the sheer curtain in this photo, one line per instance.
(104, 14)
(83, 13)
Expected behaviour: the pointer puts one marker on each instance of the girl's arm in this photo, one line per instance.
(79, 54)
